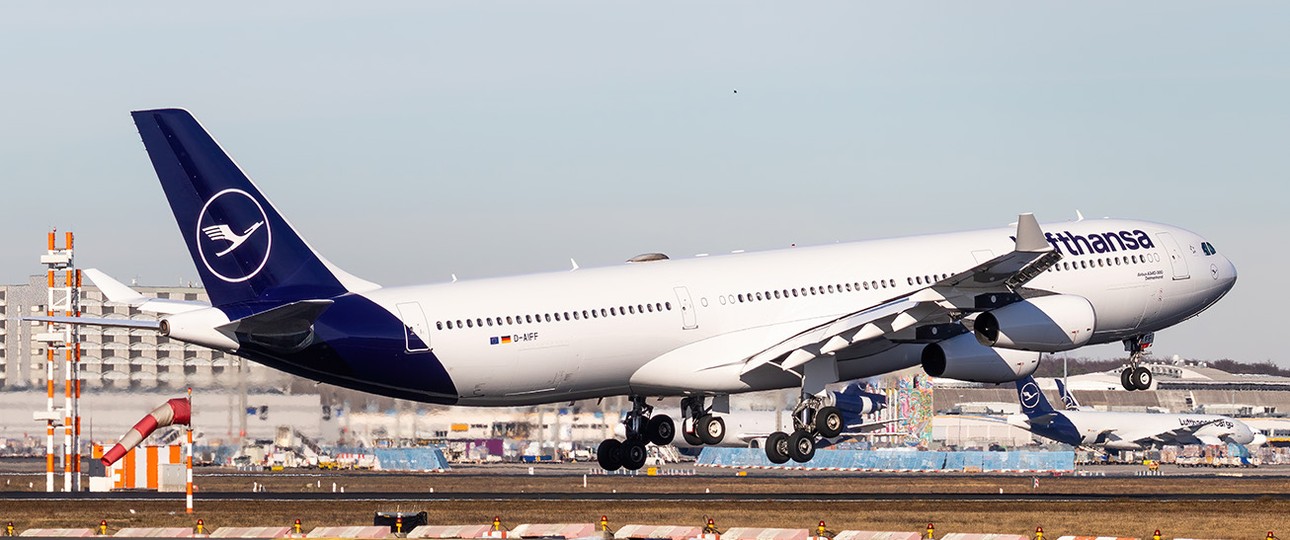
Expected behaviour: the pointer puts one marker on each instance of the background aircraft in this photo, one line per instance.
(978, 305)
(1078, 426)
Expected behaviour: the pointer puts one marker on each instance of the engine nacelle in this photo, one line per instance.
(1055, 323)
(962, 357)
(200, 327)
(856, 402)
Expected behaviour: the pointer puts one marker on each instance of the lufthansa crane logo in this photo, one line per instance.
(1030, 395)
(233, 236)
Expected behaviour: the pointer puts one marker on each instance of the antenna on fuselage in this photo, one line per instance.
(1078, 215)
(574, 263)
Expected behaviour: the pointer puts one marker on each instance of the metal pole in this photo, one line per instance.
(188, 460)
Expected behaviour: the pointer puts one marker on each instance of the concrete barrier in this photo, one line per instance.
(554, 530)
(61, 533)
(1096, 538)
(674, 532)
(154, 532)
(369, 531)
(877, 535)
(763, 533)
(450, 531)
(251, 532)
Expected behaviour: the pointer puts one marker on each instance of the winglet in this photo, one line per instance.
(1030, 238)
(114, 290)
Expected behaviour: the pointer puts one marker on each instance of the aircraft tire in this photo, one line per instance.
(661, 429)
(829, 422)
(609, 454)
(777, 448)
(711, 429)
(1125, 380)
(1142, 378)
(633, 455)
(801, 446)
(691, 438)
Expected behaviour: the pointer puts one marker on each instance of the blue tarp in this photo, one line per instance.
(411, 459)
(903, 460)
(400, 459)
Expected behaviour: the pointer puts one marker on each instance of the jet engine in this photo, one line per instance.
(855, 402)
(1045, 324)
(963, 357)
(200, 327)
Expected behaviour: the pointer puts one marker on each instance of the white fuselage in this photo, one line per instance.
(679, 327)
(1136, 431)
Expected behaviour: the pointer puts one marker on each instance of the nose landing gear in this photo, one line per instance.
(1137, 377)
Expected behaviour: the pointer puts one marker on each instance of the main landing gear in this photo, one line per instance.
(642, 428)
(701, 427)
(812, 419)
(1136, 377)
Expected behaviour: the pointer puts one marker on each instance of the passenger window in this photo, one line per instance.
(669, 305)
(547, 316)
(459, 325)
(450, 325)
(439, 325)
(470, 323)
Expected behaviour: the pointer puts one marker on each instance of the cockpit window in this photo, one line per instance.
(1208, 248)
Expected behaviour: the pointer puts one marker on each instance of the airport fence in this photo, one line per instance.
(869, 460)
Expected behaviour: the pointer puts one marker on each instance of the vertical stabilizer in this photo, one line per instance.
(243, 248)
(1033, 402)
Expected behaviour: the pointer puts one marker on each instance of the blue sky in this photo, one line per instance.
(411, 140)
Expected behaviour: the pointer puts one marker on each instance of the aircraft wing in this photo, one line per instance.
(118, 292)
(94, 321)
(1184, 435)
(936, 302)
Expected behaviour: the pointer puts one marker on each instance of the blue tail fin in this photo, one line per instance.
(244, 250)
(1032, 399)
(1067, 397)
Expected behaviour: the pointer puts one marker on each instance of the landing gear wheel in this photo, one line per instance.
(609, 454)
(711, 429)
(1126, 381)
(691, 438)
(1141, 378)
(777, 447)
(801, 446)
(633, 455)
(661, 430)
(828, 422)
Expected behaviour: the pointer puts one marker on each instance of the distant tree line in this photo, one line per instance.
(1052, 366)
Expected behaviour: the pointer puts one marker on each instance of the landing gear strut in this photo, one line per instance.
(701, 426)
(1136, 377)
(812, 419)
(642, 428)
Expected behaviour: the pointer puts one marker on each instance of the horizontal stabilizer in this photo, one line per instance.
(293, 318)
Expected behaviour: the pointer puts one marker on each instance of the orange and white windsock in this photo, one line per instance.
(175, 411)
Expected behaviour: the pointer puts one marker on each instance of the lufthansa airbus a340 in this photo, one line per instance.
(979, 305)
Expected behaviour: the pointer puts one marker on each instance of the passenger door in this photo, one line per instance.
(689, 319)
(1176, 259)
(414, 327)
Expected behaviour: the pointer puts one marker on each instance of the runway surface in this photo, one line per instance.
(628, 497)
